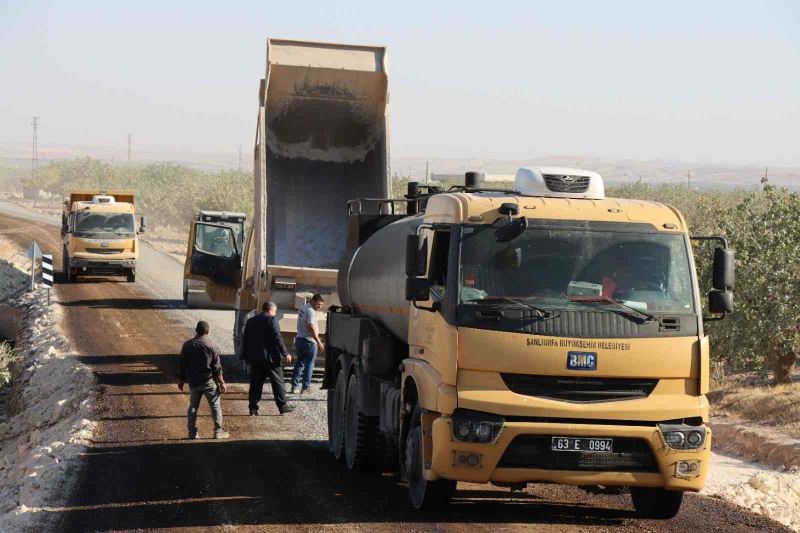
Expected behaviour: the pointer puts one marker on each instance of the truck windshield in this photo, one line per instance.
(556, 268)
(103, 224)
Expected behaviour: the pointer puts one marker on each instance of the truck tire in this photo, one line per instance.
(656, 503)
(65, 269)
(131, 276)
(336, 435)
(359, 432)
(424, 494)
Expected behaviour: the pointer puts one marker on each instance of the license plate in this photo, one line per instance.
(103, 245)
(572, 444)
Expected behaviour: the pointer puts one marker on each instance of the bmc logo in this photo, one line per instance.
(581, 361)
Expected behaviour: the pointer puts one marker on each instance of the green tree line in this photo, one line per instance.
(168, 193)
(762, 226)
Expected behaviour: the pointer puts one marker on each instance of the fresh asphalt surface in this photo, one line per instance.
(140, 472)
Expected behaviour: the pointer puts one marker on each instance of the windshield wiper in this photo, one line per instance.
(542, 314)
(608, 301)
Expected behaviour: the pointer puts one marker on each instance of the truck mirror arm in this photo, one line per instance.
(433, 308)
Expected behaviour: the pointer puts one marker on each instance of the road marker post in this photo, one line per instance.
(34, 252)
(47, 274)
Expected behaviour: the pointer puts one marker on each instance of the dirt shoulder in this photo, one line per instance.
(776, 407)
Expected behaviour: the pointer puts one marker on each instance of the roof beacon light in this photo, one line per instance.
(560, 182)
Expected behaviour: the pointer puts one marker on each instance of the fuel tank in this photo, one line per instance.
(372, 278)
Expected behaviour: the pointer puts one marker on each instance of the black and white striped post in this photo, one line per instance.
(47, 274)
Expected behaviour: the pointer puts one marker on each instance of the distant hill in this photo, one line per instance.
(717, 176)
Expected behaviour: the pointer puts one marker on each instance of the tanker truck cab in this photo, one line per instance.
(99, 234)
(213, 267)
(550, 335)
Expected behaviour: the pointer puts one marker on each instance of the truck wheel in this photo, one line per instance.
(359, 432)
(424, 494)
(336, 435)
(655, 502)
(65, 269)
(131, 276)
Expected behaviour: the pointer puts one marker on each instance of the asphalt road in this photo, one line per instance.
(140, 472)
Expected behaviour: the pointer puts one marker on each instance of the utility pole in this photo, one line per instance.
(240, 158)
(35, 157)
(35, 148)
(426, 172)
(129, 146)
(689, 178)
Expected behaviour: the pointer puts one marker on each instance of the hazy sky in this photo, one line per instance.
(699, 81)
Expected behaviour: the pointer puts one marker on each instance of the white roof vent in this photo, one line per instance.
(102, 199)
(560, 182)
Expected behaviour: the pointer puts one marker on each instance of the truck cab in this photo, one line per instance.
(213, 268)
(99, 235)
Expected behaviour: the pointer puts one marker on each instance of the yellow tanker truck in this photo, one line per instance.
(540, 334)
(99, 234)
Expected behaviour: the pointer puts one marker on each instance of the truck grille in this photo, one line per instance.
(533, 451)
(105, 250)
(580, 390)
(566, 183)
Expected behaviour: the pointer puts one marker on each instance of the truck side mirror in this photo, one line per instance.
(511, 230)
(720, 302)
(64, 223)
(724, 269)
(142, 224)
(418, 289)
(416, 255)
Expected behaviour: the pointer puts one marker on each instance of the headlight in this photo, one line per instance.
(695, 439)
(683, 437)
(675, 439)
(473, 426)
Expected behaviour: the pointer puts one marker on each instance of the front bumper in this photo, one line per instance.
(493, 459)
(101, 265)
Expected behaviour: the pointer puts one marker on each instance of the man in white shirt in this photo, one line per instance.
(307, 343)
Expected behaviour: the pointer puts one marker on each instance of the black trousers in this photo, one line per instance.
(260, 372)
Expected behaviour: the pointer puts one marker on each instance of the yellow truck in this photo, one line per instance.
(99, 234)
(540, 334)
(212, 271)
(321, 139)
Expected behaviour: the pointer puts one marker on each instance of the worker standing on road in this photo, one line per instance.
(263, 349)
(201, 366)
(307, 343)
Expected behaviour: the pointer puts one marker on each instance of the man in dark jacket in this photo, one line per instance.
(201, 367)
(263, 349)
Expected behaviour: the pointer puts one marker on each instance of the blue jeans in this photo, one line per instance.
(306, 352)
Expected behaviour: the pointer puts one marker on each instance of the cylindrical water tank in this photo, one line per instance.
(372, 280)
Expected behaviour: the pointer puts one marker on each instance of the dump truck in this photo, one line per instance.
(214, 238)
(542, 334)
(321, 139)
(99, 234)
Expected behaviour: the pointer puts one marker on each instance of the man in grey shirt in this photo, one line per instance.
(307, 343)
(200, 365)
